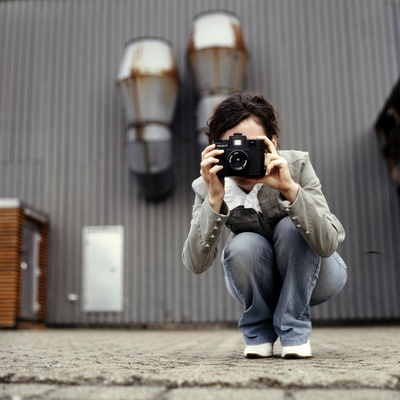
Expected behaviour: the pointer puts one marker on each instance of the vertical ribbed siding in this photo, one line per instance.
(327, 66)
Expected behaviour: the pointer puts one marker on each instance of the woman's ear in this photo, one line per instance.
(274, 140)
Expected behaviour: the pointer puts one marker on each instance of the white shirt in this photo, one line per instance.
(235, 196)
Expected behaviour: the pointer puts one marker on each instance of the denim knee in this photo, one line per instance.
(248, 264)
(289, 244)
(285, 228)
(247, 251)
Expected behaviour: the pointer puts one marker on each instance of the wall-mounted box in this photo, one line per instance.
(23, 253)
(103, 263)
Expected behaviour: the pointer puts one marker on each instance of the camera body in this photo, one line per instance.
(242, 157)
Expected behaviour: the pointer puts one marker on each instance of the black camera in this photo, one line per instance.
(242, 156)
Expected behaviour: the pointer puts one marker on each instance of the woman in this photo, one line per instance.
(281, 256)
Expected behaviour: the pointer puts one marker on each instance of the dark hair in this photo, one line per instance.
(238, 107)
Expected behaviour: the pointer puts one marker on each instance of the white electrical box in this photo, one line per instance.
(103, 260)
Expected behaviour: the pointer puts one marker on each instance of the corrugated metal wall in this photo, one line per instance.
(327, 66)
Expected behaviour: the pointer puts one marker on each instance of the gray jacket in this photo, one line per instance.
(310, 214)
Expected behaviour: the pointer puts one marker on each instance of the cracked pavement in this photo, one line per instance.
(197, 363)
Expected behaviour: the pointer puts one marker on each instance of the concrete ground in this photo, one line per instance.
(203, 363)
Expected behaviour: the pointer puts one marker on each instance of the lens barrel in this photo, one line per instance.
(238, 160)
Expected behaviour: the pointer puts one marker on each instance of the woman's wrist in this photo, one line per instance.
(291, 192)
(215, 203)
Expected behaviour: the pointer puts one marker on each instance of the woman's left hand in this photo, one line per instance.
(277, 174)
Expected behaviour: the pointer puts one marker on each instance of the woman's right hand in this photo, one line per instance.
(208, 170)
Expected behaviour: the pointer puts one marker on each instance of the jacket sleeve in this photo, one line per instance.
(311, 215)
(201, 246)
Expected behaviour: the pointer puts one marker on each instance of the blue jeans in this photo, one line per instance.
(277, 280)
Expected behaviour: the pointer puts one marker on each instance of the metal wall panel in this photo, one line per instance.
(327, 66)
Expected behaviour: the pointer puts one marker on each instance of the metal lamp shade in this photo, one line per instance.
(149, 82)
(150, 157)
(218, 58)
(217, 53)
(205, 109)
(146, 148)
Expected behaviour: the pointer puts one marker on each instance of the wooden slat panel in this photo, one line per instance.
(10, 260)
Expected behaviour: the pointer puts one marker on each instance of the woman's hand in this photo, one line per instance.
(277, 174)
(208, 170)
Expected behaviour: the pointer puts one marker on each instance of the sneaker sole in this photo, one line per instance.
(255, 355)
(295, 356)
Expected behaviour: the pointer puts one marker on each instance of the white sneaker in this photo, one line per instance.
(301, 351)
(259, 351)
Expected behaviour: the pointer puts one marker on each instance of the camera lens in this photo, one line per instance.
(237, 160)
